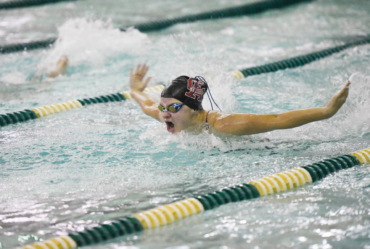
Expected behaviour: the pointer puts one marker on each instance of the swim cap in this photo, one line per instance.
(188, 90)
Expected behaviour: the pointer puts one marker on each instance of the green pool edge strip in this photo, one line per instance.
(34, 113)
(175, 211)
(298, 61)
(28, 3)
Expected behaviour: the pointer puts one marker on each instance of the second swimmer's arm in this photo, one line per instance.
(246, 124)
(147, 104)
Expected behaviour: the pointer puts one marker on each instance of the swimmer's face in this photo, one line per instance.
(178, 121)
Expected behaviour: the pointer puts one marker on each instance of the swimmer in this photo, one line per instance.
(60, 69)
(180, 108)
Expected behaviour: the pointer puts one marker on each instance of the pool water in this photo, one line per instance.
(72, 170)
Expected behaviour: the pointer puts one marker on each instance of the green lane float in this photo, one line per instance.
(34, 113)
(297, 61)
(13, 48)
(173, 212)
(28, 3)
(247, 9)
(294, 62)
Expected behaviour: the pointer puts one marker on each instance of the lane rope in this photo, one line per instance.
(298, 61)
(173, 212)
(39, 112)
(293, 62)
(247, 9)
(28, 3)
(242, 10)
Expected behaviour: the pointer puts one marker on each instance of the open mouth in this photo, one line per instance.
(170, 126)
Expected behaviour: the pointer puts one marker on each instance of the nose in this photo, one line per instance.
(166, 114)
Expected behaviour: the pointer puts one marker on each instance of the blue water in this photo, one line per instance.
(75, 169)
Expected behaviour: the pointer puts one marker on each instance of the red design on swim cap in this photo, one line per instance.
(195, 89)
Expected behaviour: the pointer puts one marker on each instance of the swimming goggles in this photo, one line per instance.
(173, 108)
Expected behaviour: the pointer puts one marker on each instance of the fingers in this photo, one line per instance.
(140, 71)
(147, 80)
(340, 98)
(145, 68)
(347, 84)
(345, 89)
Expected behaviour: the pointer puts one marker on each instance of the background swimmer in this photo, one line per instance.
(60, 69)
(181, 108)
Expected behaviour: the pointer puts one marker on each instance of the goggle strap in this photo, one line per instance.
(209, 94)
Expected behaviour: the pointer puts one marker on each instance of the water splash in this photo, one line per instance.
(187, 54)
(14, 78)
(87, 41)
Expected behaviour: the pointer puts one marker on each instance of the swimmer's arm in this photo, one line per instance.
(247, 124)
(147, 104)
(61, 68)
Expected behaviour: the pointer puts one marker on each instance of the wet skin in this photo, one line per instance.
(180, 120)
(61, 67)
(232, 123)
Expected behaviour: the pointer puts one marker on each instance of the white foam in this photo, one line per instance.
(87, 41)
(352, 120)
(157, 133)
(14, 78)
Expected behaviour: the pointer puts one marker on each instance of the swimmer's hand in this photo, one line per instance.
(147, 104)
(61, 68)
(337, 101)
(136, 79)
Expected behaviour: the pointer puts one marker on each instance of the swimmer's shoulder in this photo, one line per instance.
(213, 116)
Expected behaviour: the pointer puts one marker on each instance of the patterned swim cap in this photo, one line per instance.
(188, 90)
